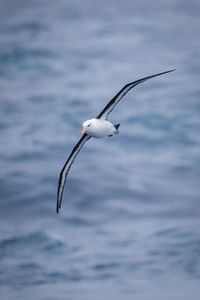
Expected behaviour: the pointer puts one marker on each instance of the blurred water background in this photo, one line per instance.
(129, 227)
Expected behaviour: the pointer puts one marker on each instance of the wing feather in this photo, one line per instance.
(66, 168)
(109, 107)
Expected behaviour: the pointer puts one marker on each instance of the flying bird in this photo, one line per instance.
(98, 127)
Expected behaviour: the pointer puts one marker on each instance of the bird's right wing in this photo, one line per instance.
(111, 104)
(66, 168)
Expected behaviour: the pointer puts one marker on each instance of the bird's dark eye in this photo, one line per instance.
(88, 125)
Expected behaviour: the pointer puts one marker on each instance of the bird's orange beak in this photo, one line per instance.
(84, 130)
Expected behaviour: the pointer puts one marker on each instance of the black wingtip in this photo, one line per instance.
(162, 73)
(170, 71)
(149, 77)
(57, 208)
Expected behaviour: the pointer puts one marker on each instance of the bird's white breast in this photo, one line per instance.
(100, 128)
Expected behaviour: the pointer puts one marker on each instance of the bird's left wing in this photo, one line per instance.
(66, 168)
(111, 104)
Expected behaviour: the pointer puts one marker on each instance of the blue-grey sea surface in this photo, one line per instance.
(129, 227)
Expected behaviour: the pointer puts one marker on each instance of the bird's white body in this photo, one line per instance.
(99, 128)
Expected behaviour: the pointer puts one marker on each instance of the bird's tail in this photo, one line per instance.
(116, 127)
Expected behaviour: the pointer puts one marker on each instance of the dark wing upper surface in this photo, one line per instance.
(109, 107)
(66, 168)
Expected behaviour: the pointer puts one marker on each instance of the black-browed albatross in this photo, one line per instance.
(97, 127)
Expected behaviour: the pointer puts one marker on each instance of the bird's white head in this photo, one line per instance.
(86, 126)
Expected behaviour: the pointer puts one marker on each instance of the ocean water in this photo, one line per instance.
(129, 227)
